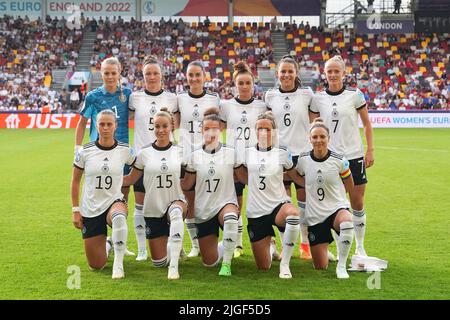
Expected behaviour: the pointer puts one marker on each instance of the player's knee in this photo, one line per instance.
(321, 266)
(209, 263)
(264, 266)
(96, 266)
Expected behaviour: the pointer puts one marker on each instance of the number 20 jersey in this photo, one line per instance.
(103, 170)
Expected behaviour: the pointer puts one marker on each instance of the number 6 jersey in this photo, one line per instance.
(325, 191)
(103, 170)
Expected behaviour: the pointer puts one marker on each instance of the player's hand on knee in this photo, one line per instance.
(77, 220)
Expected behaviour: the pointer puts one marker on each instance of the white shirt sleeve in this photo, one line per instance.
(131, 103)
(79, 159)
(299, 167)
(139, 164)
(313, 107)
(359, 99)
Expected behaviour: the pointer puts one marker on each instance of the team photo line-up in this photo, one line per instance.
(295, 136)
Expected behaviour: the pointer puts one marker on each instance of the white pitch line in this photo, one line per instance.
(414, 149)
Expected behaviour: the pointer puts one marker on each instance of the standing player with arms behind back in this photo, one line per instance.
(340, 107)
(239, 115)
(143, 107)
(290, 104)
(191, 107)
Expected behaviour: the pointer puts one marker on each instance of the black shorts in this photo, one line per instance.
(183, 173)
(321, 232)
(287, 183)
(358, 169)
(139, 185)
(239, 187)
(259, 228)
(96, 226)
(209, 227)
(156, 227)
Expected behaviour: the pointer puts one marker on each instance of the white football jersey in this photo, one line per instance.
(291, 111)
(162, 171)
(241, 119)
(191, 108)
(145, 105)
(214, 186)
(325, 190)
(103, 171)
(339, 111)
(265, 179)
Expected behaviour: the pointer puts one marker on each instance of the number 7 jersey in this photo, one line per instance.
(103, 170)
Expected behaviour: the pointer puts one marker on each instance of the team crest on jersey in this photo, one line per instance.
(334, 113)
(244, 117)
(211, 170)
(287, 107)
(195, 113)
(122, 97)
(105, 168)
(262, 167)
(164, 166)
(320, 179)
(153, 108)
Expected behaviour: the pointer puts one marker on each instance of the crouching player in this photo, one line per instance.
(327, 176)
(102, 202)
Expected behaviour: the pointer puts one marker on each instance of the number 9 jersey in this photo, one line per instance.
(325, 190)
(103, 169)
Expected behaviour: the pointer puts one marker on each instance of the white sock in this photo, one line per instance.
(119, 236)
(139, 227)
(336, 239)
(192, 231)
(303, 226)
(359, 223)
(230, 233)
(239, 235)
(161, 263)
(290, 237)
(344, 242)
(175, 242)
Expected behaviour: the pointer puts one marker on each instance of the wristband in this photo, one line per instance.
(75, 209)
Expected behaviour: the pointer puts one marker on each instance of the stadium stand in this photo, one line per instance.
(29, 50)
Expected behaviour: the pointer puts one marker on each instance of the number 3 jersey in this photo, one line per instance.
(162, 171)
(214, 186)
(325, 191)
(265, 179)
(103, 171)
(145, 105)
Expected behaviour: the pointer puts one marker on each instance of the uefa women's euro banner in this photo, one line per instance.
(379, 119)
(240, 7)
(32, 9)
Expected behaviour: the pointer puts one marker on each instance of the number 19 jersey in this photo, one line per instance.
(103, 170)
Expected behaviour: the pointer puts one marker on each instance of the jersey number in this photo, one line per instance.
(246, 132)
(262, 183)
(168, 182)
(321, 194)
(107, 182)
(115, 111)
(151, 125)
(287, 120)
(191, 127)
(208, 182)
(335, 125)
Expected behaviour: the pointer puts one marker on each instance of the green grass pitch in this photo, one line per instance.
(407, 204)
